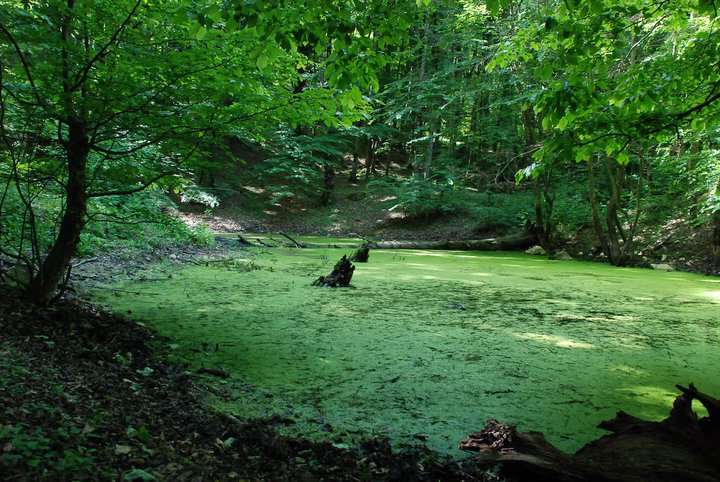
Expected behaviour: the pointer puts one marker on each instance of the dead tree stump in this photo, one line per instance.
(361, 255)
(341, 275)
(681, 447)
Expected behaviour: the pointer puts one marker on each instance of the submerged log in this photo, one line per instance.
(681, 447)
(511, 242)
(341, 275)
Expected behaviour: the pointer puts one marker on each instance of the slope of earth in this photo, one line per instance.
(373, 214)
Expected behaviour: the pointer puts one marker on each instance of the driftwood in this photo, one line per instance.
(295, 243)
(341, 275)
(681, 447)
(505, 243)
(244, 242)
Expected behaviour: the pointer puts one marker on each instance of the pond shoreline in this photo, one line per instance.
(531, 306)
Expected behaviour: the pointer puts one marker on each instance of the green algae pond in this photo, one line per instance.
(427, 345)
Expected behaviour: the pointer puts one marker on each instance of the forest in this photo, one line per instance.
(537, 181)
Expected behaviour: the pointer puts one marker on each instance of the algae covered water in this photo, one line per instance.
(427, 345)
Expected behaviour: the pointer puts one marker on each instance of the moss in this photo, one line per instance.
(431, 344)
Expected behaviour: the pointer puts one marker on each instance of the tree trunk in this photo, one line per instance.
(43, 285)
(543, 188)
(681, 447)
(370, 160)
(715, 220)
(329, 186)
(355, 162)
(430, 153)
(616, 243)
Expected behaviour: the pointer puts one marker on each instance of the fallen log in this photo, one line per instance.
(517, 241)
(243, 242)
(512, 242)
(681, 447)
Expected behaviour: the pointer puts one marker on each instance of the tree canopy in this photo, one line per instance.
(599, 108)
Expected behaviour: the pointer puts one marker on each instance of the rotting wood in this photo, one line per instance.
(681, 447)
(340, 277)
(361, 255)
(243, 241)
(297, 245)
(512, 242)
(263, 243)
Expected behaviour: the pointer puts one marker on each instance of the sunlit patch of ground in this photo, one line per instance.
(428, 345)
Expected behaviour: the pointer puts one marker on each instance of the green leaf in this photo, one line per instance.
(139, 474)
(562, 123)
(547, 122)
(263, 61)
(201, 33)
(623, 158)
(493, 6)
(146, 372)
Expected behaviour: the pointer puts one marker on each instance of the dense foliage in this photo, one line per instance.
(605, 113)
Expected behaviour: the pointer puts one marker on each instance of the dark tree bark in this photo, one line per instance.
(616, 237)
(715, 220)
(681, 447)
(44, 284)
(329, 184)
(341, 275)
(361, 255)
(353, 178)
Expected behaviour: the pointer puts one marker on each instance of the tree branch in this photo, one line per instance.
(103, 51)
(125, 192)
(24, 62)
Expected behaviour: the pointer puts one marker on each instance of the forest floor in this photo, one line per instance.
(358, 212)
(86, 395)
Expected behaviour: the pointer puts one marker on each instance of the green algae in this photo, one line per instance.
(429, 344)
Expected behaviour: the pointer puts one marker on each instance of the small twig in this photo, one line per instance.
(83, 261)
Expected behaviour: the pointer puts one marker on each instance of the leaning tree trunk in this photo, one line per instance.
(43, 285)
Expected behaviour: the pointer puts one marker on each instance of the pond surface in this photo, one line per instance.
(430, 344)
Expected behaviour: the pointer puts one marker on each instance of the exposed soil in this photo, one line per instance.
(354, 212)
(85, 396)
